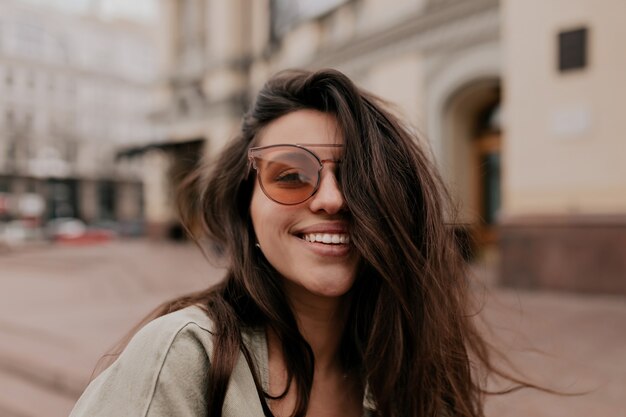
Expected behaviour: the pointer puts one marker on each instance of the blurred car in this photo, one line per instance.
(18, 232)
(133, 228)
(72, 230)
(65, 228)
(13, 233)
(124, 228)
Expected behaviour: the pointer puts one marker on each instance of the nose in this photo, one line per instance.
(328, 197)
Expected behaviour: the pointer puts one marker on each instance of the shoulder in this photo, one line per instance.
(174, 328)
(163, 367)
(183, 339)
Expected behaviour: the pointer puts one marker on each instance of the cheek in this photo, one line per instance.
(271, 223)
(265, 215)
(256, 212)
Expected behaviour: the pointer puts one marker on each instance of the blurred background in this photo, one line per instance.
(104, 104)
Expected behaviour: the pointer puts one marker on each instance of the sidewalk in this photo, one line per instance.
(61, 308)
(571, 343)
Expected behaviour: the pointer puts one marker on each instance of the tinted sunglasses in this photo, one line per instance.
(290, 174)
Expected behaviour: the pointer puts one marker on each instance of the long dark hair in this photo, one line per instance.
(409, 333)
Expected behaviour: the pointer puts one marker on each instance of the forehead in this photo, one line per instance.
(302, 127)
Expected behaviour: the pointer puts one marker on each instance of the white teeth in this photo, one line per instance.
(328, 238)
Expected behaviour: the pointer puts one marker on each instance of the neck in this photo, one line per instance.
(321, 321)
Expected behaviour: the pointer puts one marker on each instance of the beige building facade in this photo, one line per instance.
(564, 184)
(515, 140)
(73, 88)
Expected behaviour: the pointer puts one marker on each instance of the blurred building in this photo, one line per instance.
(563, 223)
(73, 89)
(519, 100)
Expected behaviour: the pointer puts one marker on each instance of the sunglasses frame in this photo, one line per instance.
(303, 146)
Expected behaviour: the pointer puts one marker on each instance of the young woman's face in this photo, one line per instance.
(289, 235)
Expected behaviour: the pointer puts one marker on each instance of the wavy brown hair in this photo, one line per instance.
(410, 333)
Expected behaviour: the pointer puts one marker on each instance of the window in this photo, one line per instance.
(10, 118)
(30, 39)
(4, 185)
(285, 14)
(106, 199)
(30, 79)
(573, 49)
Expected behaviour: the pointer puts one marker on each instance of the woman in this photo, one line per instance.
(345, 293)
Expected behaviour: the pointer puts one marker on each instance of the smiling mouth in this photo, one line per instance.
(327, 238)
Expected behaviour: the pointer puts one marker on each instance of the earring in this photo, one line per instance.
(258, 245)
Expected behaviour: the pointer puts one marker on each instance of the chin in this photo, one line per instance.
(330, 287)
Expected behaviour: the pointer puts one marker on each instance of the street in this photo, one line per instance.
(62, 308)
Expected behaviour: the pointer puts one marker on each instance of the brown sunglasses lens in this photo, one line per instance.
(288, 176)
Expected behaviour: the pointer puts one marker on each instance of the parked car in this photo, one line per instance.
(72, 230)
(18, 232)
(65, 228)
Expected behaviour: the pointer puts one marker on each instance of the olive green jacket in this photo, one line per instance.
(163, 372)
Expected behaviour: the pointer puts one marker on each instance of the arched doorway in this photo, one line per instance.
(487, 145)
(472, 139)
